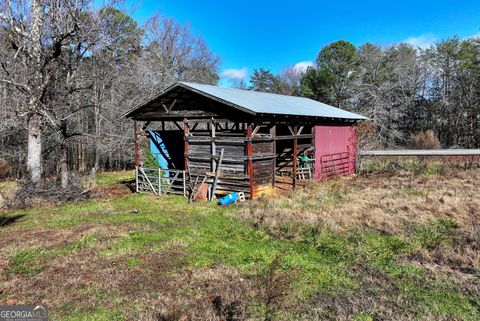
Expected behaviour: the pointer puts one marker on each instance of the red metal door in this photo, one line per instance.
(335, 151)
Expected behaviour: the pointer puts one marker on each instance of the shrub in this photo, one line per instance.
(5, 169)
(424, 140)
(47, 192)
(150, 159)
(367, 136)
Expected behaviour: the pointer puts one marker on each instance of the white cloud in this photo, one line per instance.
(235, 74)
(302, 66)
(477, 35)
(423, 41)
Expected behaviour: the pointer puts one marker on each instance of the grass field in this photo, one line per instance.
(379, 246)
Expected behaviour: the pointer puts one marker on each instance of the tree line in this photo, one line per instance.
(70, 69)
(404, 90)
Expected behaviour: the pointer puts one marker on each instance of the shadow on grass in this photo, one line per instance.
(7, 220)
(130, 183)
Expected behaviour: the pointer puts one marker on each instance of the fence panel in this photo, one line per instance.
(160, 181)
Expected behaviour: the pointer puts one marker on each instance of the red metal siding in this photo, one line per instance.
(335, 151)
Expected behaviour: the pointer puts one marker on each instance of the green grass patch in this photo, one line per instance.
(425, 167)
(112, 178)
(26, 262)
(8, 186)
(204, 235)
(99, 314)
(434, 234)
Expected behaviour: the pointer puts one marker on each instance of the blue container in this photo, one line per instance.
(228, 199)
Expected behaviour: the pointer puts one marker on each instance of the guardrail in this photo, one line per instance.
(421, 152)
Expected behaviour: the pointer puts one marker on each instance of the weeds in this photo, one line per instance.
(386, 247)
(274, 284)
(434, 234)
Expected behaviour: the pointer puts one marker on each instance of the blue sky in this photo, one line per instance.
(275, 34)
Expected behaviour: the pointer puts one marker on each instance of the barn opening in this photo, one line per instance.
(240, 140)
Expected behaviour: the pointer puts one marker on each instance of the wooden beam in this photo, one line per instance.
(171, 105)
(194, 126)
(299, 132)
(295, 143)
(250, 161)
(213, 147)
(178, 125)
(135, 142)
(287, 137)
(145, 125)
(186, 133)
(255, 131)
(315, 152)
(291, 130)
(273, 134)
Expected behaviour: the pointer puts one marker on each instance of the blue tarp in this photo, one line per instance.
(156, 143)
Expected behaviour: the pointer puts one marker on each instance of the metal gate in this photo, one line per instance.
(160, 181)
(335, 151)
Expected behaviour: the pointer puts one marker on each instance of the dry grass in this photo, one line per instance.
(148, 285)
(376, 247)
(382, 223)
(424, 140)
(385, 203)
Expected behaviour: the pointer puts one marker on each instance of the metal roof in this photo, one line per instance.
(263, 103)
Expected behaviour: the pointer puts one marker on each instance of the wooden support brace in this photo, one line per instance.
(178, 125)
(291, 130)
(250, 161)
(135, 142)
(186, 132)
(213, 147)
(299, 132)
(295, 143)
(273, 133)
(171, 106)
(194, 126)
(257, 128)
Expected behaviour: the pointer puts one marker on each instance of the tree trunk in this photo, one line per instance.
(34, 145)
(64, 175)
(34, 151)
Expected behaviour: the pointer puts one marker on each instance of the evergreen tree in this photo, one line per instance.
(330, 81)
(263, 80)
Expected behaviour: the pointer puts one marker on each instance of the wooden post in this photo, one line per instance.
(313, 165)
(184, 184)
(136, 179)
(213, 148)
(159, 181)
(273, 133)
(295, 158)
(185, 143)
(135, 141)
(250, 160)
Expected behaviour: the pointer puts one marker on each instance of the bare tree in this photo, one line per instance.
(173, 54)
(387, 88)
(48, 39)
(289, 81)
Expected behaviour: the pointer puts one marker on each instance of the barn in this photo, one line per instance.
(240, 140)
